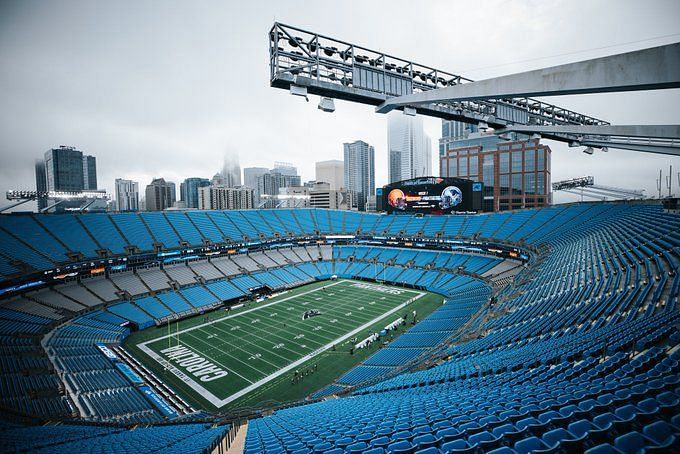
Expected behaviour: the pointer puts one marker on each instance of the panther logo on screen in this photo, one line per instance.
(451, 196)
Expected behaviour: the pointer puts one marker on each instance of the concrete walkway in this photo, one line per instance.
(240, 440)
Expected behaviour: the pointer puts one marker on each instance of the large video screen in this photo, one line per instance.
(433, 196)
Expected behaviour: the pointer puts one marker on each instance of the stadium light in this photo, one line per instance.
(60, 195)
(589, 150)
(326, 104)
(299, 91)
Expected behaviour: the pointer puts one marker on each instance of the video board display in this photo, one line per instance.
(433, 195)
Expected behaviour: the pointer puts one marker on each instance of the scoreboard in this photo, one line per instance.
(432, 195)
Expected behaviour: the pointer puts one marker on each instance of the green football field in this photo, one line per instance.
(230, 357)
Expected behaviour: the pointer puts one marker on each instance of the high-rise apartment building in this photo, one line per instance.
(224, 198)
(159, 195)
(515, 173)
(188, 191)
(410, 149)
(127, 195)
(331, 172)
(359, 172)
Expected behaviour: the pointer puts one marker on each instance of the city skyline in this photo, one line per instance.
(179, 121)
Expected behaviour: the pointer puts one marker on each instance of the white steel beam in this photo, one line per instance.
(634, 146)
(647, 69)
(652, 131)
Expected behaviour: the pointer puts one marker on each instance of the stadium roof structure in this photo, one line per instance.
(307, 62)
(334, 68)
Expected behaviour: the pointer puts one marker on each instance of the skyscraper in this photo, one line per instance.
(188, 190)
(410, 154)
(359, 172)
(285, 168)
(40, 182)
(250, 176)
(231, 171)
(454, 131)
(127, 195)
(65, 169)
(159, 195)
(331, 172)
(89, 173)
(68, 170)
(271, 183)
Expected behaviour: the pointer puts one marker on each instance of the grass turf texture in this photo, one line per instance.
(261, 345)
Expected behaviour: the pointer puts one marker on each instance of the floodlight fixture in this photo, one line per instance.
(326, 104)
(296, 90)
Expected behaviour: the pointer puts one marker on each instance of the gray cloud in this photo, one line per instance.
(165, 88)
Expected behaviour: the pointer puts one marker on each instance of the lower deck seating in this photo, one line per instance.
(177, 438)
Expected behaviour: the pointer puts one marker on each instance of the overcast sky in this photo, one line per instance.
(165, 89)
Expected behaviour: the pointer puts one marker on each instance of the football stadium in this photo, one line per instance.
(551, 326)
(428, 324)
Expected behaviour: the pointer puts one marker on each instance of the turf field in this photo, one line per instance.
(229, 357)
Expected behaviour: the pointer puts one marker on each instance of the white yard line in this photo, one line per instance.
(220, 364)
(240, 313)
(217, 402)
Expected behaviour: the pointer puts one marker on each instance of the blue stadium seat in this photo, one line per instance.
(547, 367)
